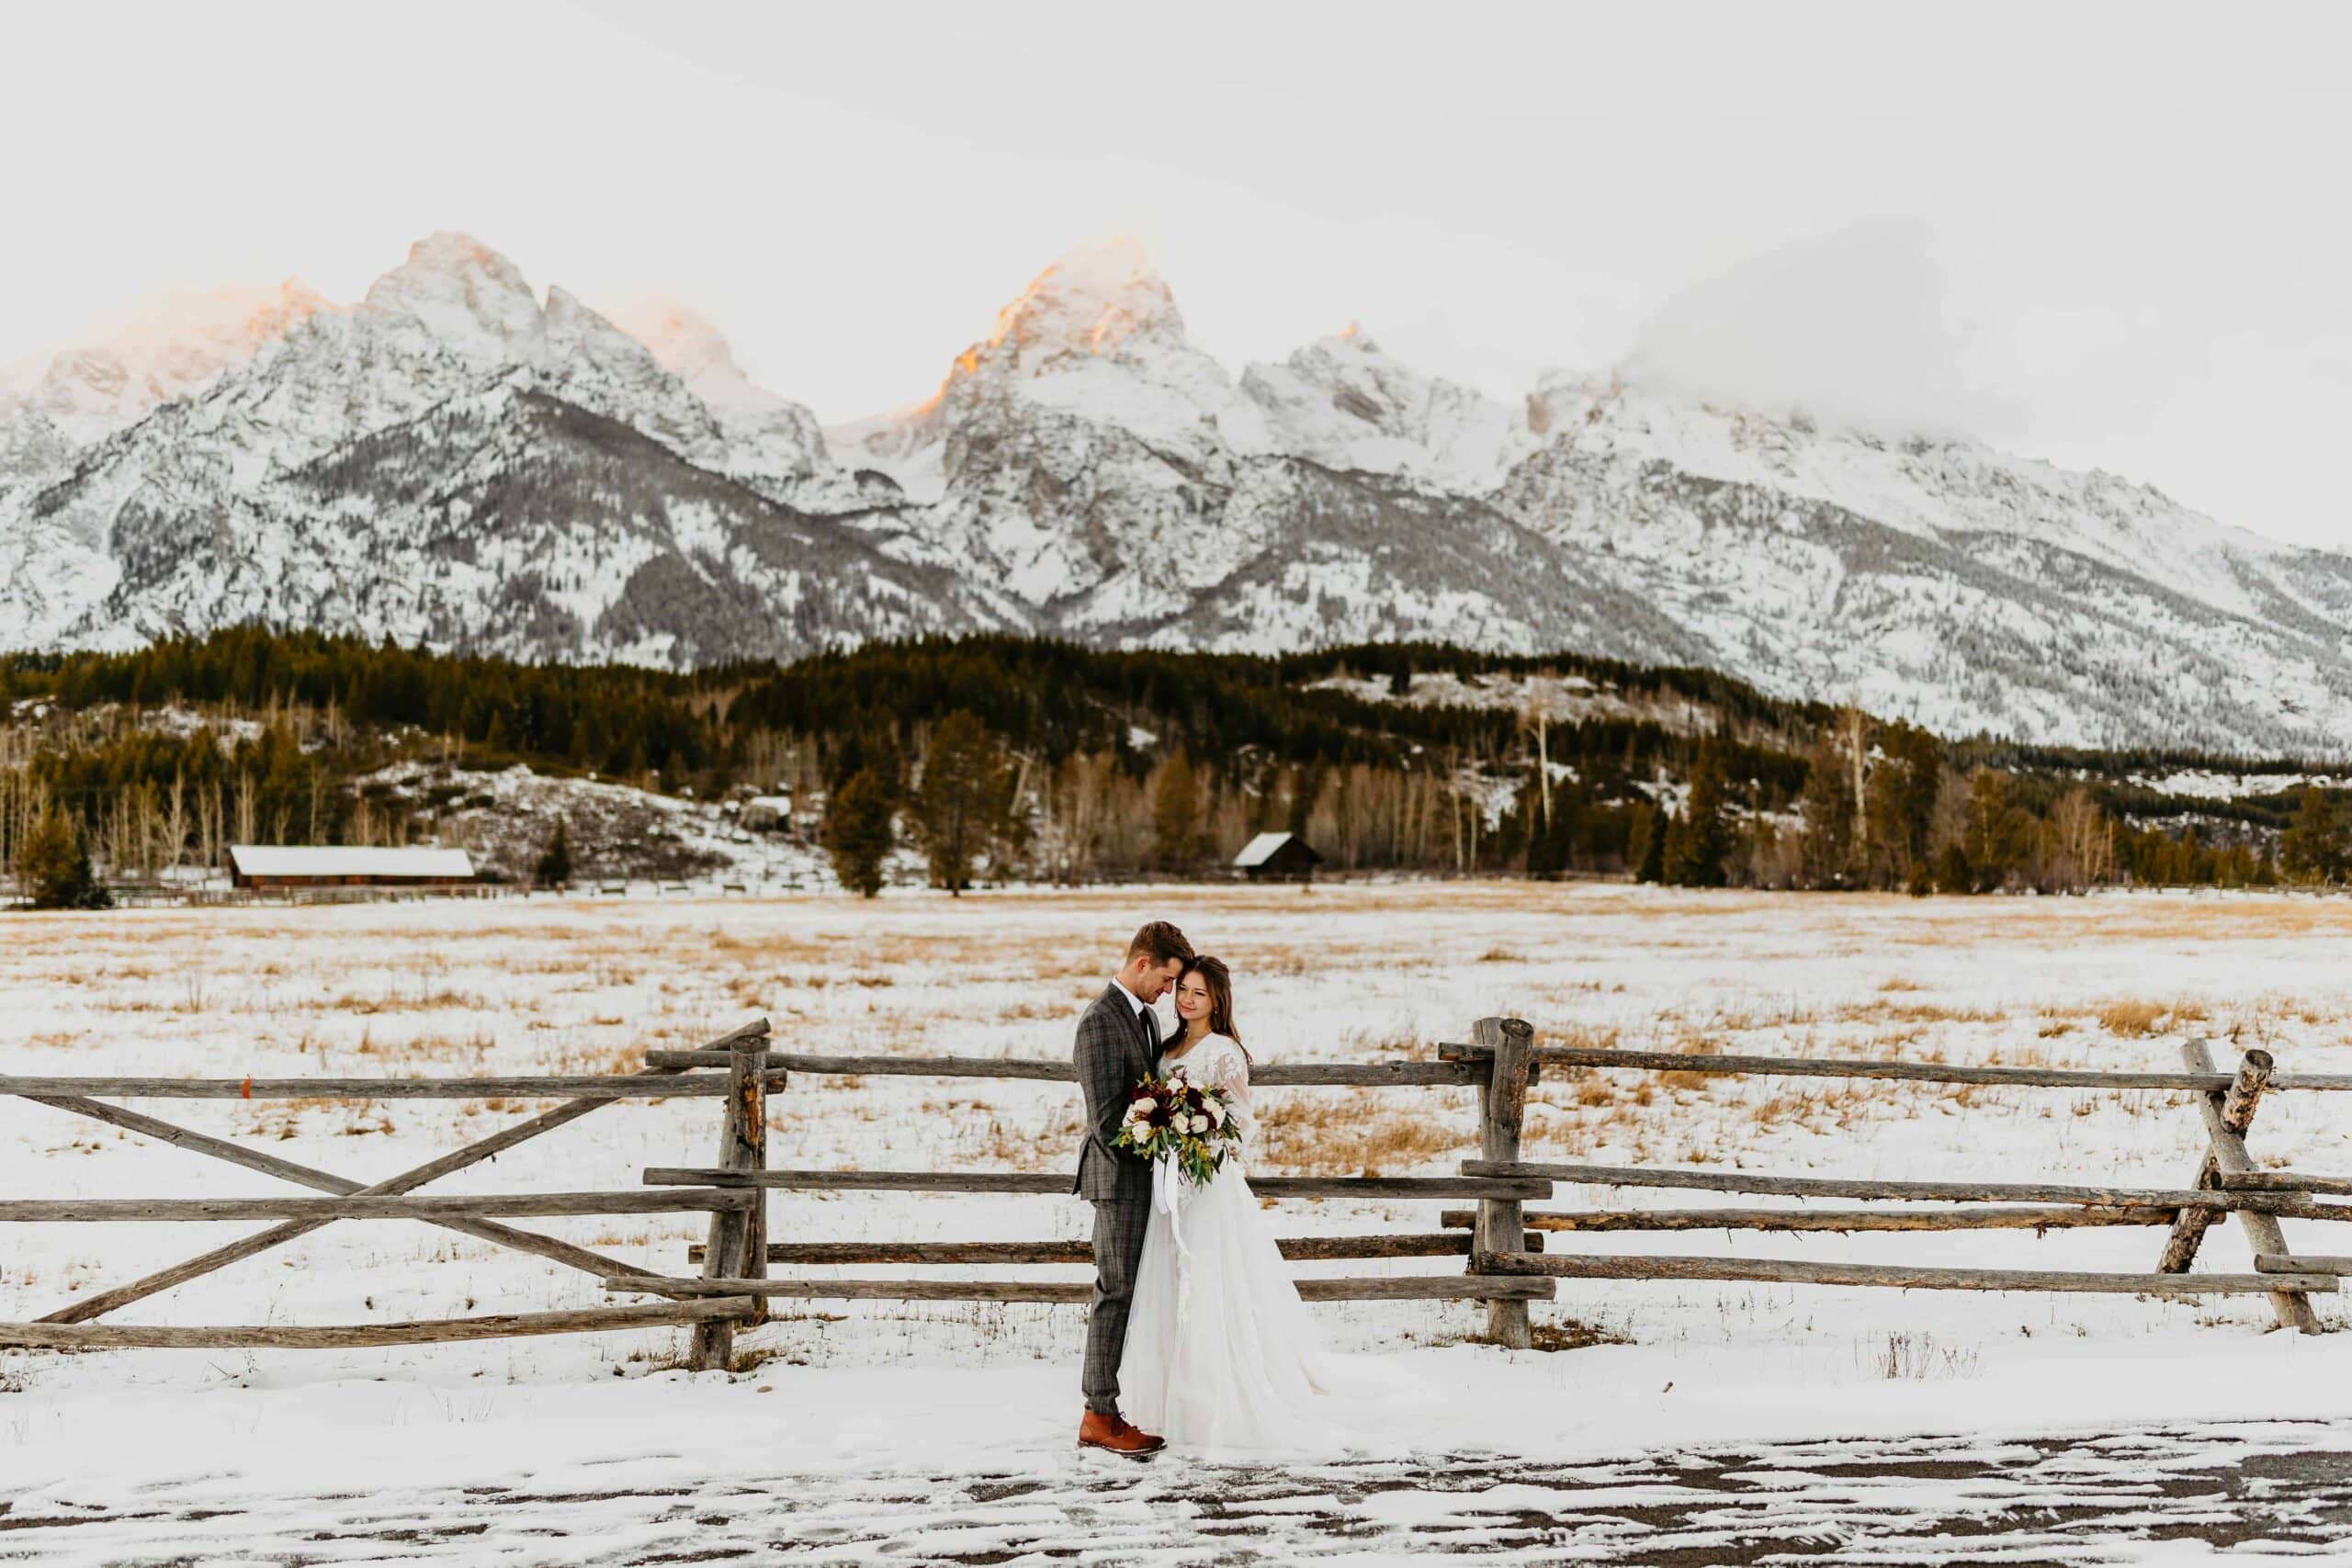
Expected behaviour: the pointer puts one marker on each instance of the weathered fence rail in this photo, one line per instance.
(1501, 1241)
(2209, 1081)
(1274, 1074)
(2226, 1184)
(70, 1327)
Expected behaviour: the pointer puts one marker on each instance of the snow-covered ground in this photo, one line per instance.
(869, 1392)
(2204, 784)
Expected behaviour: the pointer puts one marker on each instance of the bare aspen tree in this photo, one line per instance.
(2085, 840)
(1855, 725)
(1454, 781)
(1543, 704)
(176, 822)
(209, 819)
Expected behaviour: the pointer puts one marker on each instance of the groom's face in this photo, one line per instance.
(1157, 977)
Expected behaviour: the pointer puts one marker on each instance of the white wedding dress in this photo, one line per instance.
(1219, 1351)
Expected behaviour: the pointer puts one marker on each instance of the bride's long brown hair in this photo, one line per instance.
(1219, 980)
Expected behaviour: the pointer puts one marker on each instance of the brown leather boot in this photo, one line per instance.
(1113, 1433)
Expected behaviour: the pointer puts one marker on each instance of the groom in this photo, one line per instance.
(1119, 1039)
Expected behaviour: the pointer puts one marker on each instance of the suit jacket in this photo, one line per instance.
(1111, 1055)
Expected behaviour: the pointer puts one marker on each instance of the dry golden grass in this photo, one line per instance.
(2131, 1016)
(1334, 1131)
(1913, 1012)
(586, 988)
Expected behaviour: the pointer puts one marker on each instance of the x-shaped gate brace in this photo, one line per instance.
(2227, 1115)
(302, 1175)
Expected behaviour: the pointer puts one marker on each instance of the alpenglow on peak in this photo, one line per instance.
(461, 291)
(1091, 303)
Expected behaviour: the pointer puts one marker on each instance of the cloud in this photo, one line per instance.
(1853, 326)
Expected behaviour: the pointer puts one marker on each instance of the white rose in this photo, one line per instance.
(1212, 1109)
(1200, 1123)
(1141, 1108)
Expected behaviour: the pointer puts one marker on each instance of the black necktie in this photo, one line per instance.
(1151, 1026)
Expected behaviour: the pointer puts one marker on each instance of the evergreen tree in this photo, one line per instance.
(53, 867)
(554, 869)
(1900, 819)
(2316, 846)
(1699, 841)
(1994, 835)
(1828, 808)
(1646, 844)
(1176, 816)
(965, 808)
(858, 833)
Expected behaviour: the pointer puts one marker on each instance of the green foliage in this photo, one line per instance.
(1996, 835)
(554, 869)
(2318, 847)
(1645, 846)
(1827, 808)
(858, 834)
(1698, 838)
(965, 808)
(1900, 806)
(1136, 758)
(1176, 817)
(53, 867)
(602, 713)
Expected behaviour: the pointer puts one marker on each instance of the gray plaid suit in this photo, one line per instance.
(1115, 1046)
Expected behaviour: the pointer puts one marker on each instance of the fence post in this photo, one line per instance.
(1509, 1046)
(2227, 1116)
(738, 1243)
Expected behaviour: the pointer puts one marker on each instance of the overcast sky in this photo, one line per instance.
(2108, 235)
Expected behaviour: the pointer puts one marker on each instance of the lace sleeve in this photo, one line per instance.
(1230, 1073)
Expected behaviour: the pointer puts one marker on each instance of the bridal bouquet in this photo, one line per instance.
(1172, 1118)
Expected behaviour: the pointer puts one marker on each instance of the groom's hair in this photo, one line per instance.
(1160, 942)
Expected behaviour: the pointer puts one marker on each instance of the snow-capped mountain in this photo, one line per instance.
(456, 461)
(163, 353)
(461, 460)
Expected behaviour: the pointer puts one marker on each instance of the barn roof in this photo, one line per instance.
(1264, 847)
(342, 860)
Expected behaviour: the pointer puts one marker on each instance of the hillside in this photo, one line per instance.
(1389, 758)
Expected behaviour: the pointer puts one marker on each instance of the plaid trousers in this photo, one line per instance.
(1119, 1226)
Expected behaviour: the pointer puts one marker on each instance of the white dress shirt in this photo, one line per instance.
(1160, 1024)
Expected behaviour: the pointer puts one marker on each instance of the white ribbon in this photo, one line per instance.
(1169, 1187)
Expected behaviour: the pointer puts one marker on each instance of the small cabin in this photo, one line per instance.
(343, 866)
(1278, 857)
(767, 814)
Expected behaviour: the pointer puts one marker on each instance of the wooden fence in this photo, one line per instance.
(1503, 1241)
(1507, 1263)
(70, 1326)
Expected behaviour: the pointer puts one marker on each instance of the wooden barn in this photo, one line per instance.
(334, 865)
(1278, 857)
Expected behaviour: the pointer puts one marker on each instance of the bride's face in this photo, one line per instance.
(1192, 997)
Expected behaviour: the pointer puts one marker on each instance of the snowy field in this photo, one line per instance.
(926, 1409)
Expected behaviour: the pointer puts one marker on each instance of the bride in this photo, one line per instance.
(1219, 1351)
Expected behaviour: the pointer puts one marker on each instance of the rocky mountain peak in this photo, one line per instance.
(1099, 300)
(461, 462)
(461, 292)
(687, 342)
(164, 350)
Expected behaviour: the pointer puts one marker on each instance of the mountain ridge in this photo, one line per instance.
(459, 460)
